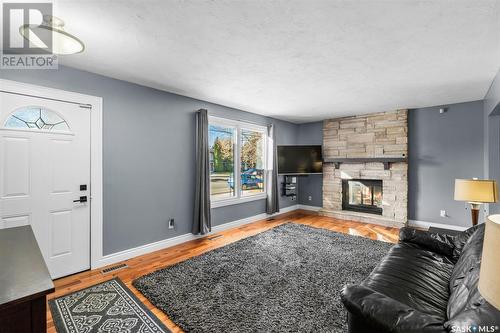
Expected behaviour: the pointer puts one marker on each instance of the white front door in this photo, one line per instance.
(44, 170)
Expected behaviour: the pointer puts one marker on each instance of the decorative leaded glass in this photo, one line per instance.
(36, 118)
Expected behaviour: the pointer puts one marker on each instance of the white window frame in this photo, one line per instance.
(239, 126)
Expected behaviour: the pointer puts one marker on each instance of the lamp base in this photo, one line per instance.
(474, 213)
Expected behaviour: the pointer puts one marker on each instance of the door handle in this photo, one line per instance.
(82, 199)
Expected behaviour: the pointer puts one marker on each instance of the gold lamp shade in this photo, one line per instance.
(476, 190)
(489, 275)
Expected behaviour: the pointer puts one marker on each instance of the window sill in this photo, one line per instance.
(236, 201)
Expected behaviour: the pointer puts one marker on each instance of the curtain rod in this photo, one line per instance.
(243, 120)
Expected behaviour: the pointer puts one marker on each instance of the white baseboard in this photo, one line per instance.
(169, 242)
(143, 249)
(424, 224)
(251, 219)
(311, 208)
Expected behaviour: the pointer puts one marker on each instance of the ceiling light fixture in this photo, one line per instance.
(62, 42)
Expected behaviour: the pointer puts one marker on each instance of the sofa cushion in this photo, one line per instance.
(374, 312)
(462, 238)
(464, 294)
(470, 257)
(485, 315)
(415, 277)
(435, 242)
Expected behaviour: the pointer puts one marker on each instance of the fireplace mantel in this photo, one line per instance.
(353, 160)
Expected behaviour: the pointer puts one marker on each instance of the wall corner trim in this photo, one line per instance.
(425, 224)
(169, 242)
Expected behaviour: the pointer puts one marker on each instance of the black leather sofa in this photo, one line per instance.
(426, 283)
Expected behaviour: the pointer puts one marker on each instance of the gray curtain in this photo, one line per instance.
(202, 221)
(272, 202)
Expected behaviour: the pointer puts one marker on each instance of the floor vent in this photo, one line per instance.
(113, 268)
(215, 237)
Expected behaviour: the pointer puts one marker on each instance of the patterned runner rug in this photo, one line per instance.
(106, 307)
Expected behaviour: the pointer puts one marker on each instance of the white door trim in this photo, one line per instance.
(95, 103)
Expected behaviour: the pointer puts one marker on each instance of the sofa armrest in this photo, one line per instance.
(439, 243)
(388, 315)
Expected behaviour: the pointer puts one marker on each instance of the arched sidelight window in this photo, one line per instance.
(36, 118)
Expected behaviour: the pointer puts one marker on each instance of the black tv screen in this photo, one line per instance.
(296, 160)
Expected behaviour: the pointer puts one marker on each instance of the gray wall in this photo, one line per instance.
(312, 185)
(492, 135)
(443, 147)
(492, 153)
(148, 147)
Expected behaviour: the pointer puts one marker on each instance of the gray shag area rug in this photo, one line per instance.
(287, 279)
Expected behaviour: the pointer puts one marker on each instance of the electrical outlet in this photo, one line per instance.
(309, 198)
(442, 213)
(171, 223)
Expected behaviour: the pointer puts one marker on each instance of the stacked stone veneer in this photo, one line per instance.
(368, 136)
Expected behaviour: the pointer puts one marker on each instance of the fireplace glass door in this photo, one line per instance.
(362, 195)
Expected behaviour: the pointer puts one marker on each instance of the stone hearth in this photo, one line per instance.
(372, 136)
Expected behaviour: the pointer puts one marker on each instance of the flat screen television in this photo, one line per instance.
(299, 160)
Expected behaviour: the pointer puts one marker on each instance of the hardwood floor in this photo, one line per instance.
(153, 261)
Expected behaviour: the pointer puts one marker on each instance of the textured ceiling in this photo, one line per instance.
(295, 60)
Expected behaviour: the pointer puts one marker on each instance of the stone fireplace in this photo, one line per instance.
(365, 171)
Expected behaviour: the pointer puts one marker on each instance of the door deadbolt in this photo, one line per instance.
(82, 199)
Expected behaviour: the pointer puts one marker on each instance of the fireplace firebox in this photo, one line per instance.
(362, 195)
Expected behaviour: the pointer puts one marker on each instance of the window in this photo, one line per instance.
(221, 143)
(237, 161)
(36, 118)
(252, 162)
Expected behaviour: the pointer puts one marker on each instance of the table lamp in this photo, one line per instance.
(476, 192)
(489, 274)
